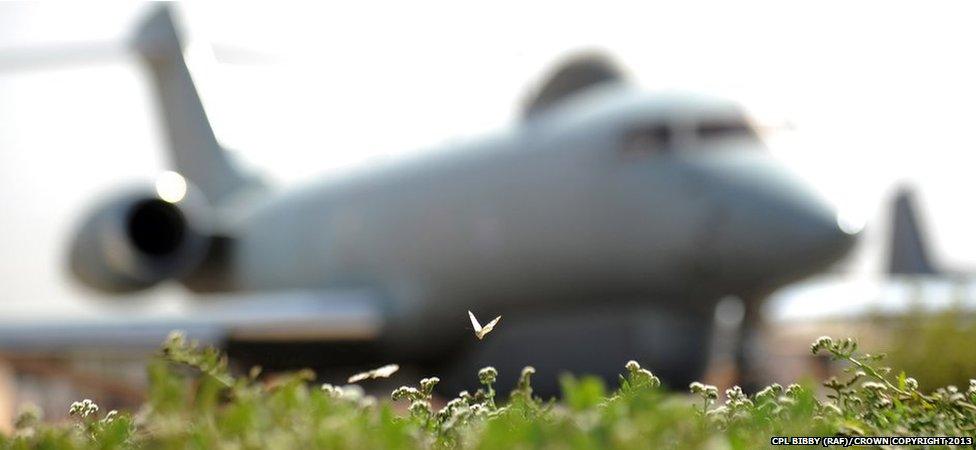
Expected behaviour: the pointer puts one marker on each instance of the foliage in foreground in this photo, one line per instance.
(195, 402)
(936, 347)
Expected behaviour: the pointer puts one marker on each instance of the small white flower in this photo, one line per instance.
(111, 416)
(652, 379)
(793, 389)
(419, 407)
(707, 391)
(83, 408)
(333, 391)
(427, 384)
(406, 392)
(912, 384)
(821, 343)
(487, 375)
(735, 393)
(874, 386)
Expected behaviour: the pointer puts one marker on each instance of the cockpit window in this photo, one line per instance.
(723, 129)
(648, 140)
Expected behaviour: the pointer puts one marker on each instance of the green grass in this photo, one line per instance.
(196, 403)
(937, 347)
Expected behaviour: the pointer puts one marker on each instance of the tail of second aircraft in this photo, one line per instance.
(196, 154)
(908, 254)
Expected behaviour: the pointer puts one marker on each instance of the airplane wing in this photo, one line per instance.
(289, 316)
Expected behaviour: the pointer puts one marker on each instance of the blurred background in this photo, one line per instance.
(859, 99)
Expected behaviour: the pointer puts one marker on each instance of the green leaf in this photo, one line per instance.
(582, 393)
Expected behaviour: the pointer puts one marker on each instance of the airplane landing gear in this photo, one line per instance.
(673, 345)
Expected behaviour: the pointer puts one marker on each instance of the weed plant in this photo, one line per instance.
(195, 402)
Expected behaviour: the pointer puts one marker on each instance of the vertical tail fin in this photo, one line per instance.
(195, 152)
(908, 254)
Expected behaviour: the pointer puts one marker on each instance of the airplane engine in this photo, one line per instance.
(140, 238)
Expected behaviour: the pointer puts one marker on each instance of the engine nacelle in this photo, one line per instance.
(138, 239)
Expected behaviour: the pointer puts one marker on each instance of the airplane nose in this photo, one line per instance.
(767, 223)
(790, 230)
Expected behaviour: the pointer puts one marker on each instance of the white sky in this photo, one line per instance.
(877, 93)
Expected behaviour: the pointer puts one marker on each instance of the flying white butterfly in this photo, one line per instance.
(382, 372)
(481, 331)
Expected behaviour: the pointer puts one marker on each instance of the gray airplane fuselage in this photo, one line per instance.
(559, 211)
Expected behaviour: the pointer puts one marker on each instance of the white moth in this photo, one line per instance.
(481, 331)
(382, 372)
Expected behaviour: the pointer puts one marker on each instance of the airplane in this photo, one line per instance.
(908, 253)
(908, 279)
(603, 226)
